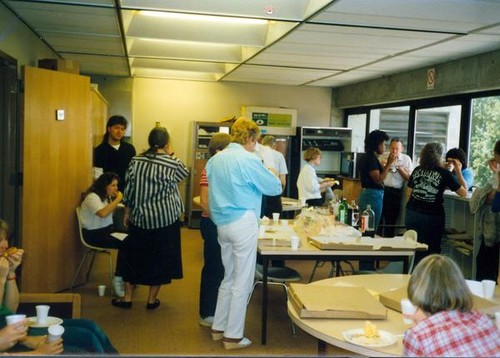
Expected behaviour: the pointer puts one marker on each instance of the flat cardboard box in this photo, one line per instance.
(365, 244)
(392, 300)
(59, 65)
(317, 301)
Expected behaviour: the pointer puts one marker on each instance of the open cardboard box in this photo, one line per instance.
(392, 300)
(316, 301)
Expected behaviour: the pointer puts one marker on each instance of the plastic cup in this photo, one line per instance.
(497, 319)
(488, 288)
(42, 312)
(14, 318)
(407, 308)
(294, 242)
(101, 290)
(276, 217)
(55, 332)
(284, 222)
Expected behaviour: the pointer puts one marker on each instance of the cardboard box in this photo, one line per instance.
(392, 300)
(316, 301)
(60, 65)
(365, 244)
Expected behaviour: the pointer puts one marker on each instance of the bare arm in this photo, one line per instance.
(378, 176)
(108, 209)
(204, 199)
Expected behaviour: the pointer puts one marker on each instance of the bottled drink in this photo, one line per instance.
(343, 211)
(368, 221)
(354, 214)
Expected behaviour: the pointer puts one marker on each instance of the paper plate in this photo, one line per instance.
(357, 336)
(32, 322)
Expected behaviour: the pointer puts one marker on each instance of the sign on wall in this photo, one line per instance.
(277, 121)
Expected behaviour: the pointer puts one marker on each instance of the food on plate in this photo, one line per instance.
(370, 330)
(335, 182)
(9, 251)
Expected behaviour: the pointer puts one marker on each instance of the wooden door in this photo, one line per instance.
(57, 163)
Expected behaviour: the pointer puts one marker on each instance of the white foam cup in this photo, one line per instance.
(276, 217)
(14, 318)
(488, 288)
(42, 312)
(101, 290)
(294, 242)
(407, 308)
(55, 332)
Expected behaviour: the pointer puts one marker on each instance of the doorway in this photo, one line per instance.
(10, 144)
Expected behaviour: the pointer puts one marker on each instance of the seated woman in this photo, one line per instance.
(80, 336)
(446, 324)
(467, 173)
(309, 185)
(99, 203)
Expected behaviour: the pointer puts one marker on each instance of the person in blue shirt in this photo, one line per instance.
(467, 173)
(237, 179)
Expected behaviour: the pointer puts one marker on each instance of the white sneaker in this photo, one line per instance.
(207, 321)
(118, 286)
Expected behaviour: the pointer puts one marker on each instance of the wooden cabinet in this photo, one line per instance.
(351, 187)
(202, 133)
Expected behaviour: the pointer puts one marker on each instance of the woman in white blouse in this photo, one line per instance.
(309, 185)
(99, 203)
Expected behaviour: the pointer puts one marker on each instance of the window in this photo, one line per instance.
(485, 131)
(438, 124)
(394, 121)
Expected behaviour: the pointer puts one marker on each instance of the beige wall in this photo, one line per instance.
(176, 104)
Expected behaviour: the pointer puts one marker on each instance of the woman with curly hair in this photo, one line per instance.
(96, 211)
(424, 210)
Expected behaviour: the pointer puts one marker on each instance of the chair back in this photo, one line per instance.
(410, 234)
(80, 231)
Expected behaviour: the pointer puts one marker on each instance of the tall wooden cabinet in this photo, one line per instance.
(202, 133)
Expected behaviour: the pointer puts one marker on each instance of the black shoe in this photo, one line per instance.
(152, 306)
(117, 302)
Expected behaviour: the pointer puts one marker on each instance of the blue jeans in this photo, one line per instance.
(213, 270)
(430, 230)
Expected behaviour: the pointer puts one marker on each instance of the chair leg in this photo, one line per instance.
(316, 265)
(111, 275)
(253, 289)
(87, 276)
(84, 257)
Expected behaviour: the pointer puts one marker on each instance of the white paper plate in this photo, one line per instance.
(50, 321)
(357, 336)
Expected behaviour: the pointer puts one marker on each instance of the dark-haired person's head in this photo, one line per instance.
(374, 142)
(101, 185)
(457, 153)
(115, 128)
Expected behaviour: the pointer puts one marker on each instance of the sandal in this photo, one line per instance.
(117, 302)
(154, 305)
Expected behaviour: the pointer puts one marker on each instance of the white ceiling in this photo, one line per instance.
(292, 42)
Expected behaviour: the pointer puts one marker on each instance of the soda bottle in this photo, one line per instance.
(343, 211)
(368, 221)
(354, 214)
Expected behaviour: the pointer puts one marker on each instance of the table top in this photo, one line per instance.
(274, 239)
(330, 330)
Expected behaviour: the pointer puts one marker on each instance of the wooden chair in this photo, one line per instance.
(62, 305)
(90, 251)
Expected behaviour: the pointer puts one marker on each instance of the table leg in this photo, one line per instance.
(265, 267)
